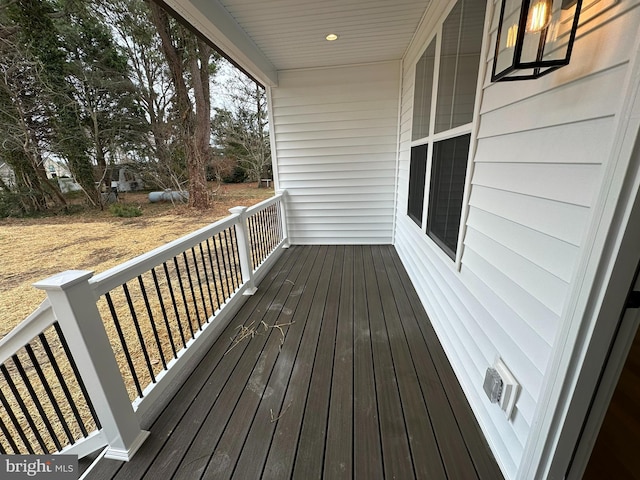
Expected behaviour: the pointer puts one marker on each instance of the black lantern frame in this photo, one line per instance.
(533, 54)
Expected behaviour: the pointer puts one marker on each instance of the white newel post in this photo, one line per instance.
(74, 305)
(244, 249)
(283, 218)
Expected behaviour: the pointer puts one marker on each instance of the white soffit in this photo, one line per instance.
(211, 19)
(265, 36)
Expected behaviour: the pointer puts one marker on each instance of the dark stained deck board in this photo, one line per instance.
(255, 450)
(422, 441)
(195, 437)
(266, 405)
(338, 458)
(309, 459)
(367, 446)
(360, 387)
(442, 373)
(281, 456)
(449, 440)
(395, 444)
(222, 426)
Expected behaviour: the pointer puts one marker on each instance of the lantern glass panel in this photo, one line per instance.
(508, 34)
(558, 33)
(547, 44)
(524, 54)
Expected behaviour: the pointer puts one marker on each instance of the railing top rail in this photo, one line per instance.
(112, 278)
(85, 340)
(265, 203)
(116, 276)
(32, 326)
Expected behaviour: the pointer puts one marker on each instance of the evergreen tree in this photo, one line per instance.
(98, 75)
(72, 89)
(26, 108)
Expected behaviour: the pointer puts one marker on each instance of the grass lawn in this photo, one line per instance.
(36, 248)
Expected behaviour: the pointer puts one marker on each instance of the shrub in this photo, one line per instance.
(237, 175)
(125, 211)
(11, 204)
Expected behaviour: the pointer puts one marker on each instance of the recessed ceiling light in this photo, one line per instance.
(331, 37)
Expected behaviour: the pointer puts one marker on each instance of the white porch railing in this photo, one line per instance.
(78, 373)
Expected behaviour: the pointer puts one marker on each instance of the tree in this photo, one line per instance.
(38, 23)
(70, 86)
(97, 73)
(241, 130)
(131, 23)
(191, 62)
(91, 81)
(26, 101)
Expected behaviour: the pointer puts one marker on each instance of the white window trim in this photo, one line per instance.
(469, 128)
(475, 128)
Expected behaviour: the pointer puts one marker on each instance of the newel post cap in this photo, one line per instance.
(64, 280)
(238, 210)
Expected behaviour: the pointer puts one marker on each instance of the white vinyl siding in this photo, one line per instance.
(542, 147)
(336, 142)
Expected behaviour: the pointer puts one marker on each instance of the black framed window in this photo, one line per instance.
(448, 174)
(446, 79)
(423, 92)
(459, 62)
(417, 174)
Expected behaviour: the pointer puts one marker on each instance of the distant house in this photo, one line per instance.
(56, 168)
(120, 177)
(126, 179)
(6, 174)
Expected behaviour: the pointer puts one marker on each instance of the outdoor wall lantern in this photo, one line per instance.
(535, 37)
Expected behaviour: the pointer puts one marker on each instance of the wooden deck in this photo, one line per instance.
(354, 384)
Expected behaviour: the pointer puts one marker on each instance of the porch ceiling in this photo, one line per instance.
(265, 36)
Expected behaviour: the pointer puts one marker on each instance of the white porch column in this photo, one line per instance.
(74, 305)
(244, 249)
